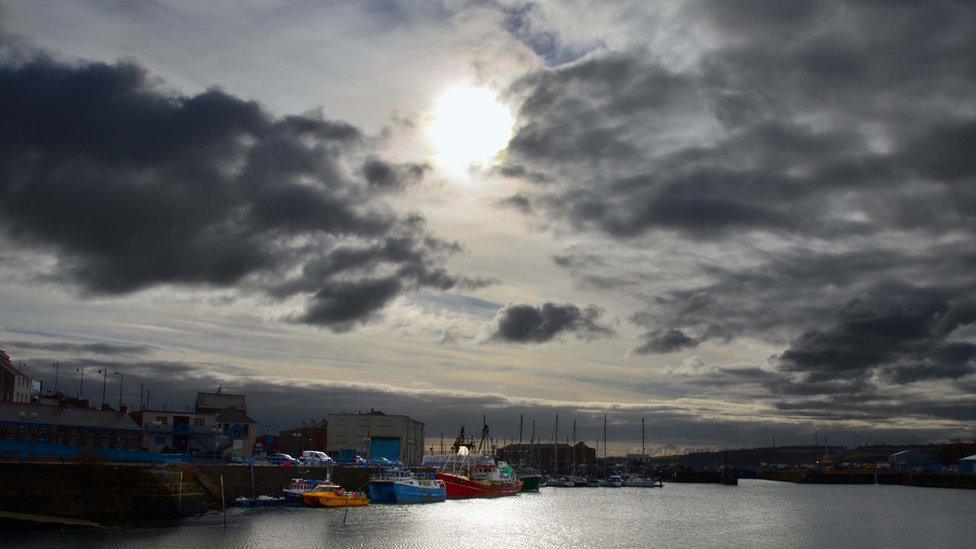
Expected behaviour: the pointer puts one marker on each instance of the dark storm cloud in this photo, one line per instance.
(174, 385)
(132, 186)
(616, 126)
(904, 335)
(532, 324)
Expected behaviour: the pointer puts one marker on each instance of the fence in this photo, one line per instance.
(41, 451)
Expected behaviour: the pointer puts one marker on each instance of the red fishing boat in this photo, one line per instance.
(476, 474)
(461, 487)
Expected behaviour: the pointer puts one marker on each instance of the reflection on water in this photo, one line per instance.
(754, 514)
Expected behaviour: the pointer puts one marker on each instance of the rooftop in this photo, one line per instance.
(220, 401)
(233, 415)
(37, 414)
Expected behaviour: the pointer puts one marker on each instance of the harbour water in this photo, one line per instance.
(754, 514)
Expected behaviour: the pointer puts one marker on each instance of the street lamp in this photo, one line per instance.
(81, 385)
(104, 372)
(121, 383)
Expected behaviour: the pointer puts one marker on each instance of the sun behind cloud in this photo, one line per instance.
(468, 128)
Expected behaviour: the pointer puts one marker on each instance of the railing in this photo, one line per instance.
(34, 451)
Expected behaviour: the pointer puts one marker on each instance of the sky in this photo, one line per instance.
(740, 220)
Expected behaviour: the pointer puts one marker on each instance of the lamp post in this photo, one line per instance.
(104, 372)
(57, 374)
(81, 385)
(121, 383)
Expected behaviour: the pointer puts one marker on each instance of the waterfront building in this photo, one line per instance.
(374, 435)
(15, 385)
(967, 465)
(913, 459)
(179, 432)
(550, 458)
(218, 425)
(312, 435)
(81, 427)
(242, 431)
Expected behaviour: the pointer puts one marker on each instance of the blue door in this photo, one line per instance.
(388, 448)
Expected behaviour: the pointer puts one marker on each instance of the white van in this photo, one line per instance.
(314, 457)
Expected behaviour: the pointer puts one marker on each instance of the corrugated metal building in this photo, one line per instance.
(375, 435)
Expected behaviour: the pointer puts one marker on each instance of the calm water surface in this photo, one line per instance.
(754, 514)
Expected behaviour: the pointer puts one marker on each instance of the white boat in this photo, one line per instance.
(613, 481)
(643, 482)
(560, 482)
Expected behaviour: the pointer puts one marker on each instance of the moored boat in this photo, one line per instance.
(293, 493)
(531, 480)
(643, 482)
(419, 490)
(560, 482)
(398, 486)
(462, 487)
(476, 475)
(332, 495)
(613, 481)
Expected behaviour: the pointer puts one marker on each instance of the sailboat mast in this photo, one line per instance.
(604, 445)
(532, 455)
(555, 445)
(643, 451)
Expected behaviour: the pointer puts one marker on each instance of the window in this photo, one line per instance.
(198, 422)
(162, 419)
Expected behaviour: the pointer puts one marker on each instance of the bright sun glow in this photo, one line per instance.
(468, 127)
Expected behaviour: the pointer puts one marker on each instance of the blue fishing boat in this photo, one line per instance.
(398, 486)
(420, 490)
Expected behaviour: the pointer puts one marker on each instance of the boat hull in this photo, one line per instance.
(459, 487)
(531, 483)
(334, 500)
(643, 483)
(382, 492)
(407, 493)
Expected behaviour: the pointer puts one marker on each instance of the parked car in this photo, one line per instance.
(282, 459)
(314, 457)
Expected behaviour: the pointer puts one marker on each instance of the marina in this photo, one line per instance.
(756, 514)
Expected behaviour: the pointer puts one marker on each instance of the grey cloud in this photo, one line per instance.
(133, 186)
(814, 164)
(386, 176)
(665, 341)
(540, 324)
(106, 349)
(519, 202)
(520, 21)
(902, 335)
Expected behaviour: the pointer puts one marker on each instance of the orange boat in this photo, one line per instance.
(332, 495)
